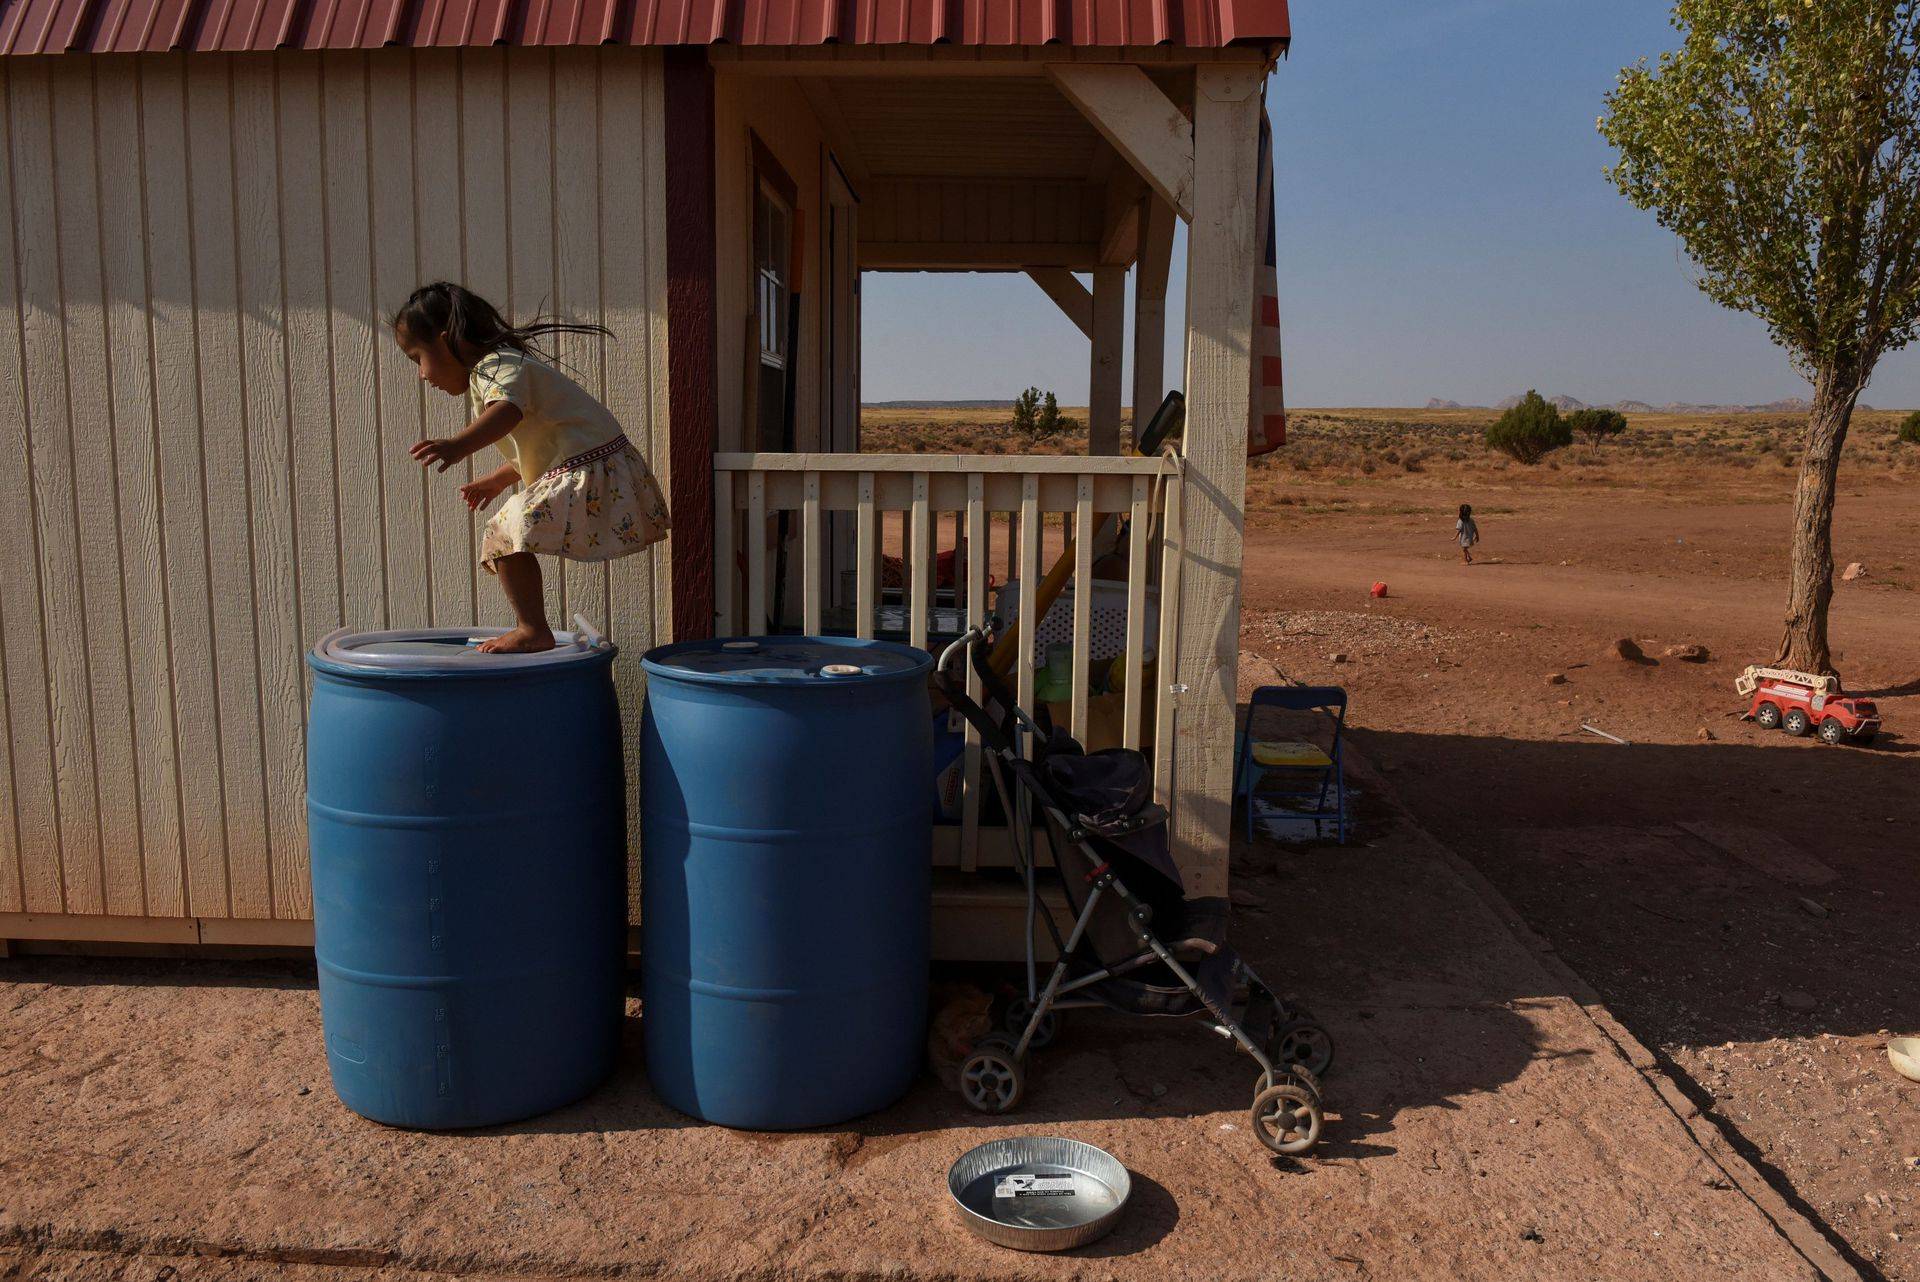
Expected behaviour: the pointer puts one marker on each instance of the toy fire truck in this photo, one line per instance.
(1783, 699)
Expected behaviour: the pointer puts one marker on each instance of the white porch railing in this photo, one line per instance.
(852, 516)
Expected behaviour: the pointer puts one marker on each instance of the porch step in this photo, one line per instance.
(980, 917)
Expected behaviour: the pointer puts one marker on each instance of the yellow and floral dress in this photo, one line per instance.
(585, 493)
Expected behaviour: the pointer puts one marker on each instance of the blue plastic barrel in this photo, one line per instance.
(467, 823)
(784, 890)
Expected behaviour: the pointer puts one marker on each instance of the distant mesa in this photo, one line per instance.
(937, 405)
(1565, 404)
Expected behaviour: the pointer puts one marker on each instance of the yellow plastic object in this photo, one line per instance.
(1282, 754)
(1117, 675)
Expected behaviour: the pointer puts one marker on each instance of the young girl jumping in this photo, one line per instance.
(587, 494)
(1466, 532)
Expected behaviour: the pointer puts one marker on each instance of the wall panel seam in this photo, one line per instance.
(73, 506)
(33, 510)
(119, 536)
(206, 508)
(373, 304)
(160, 525)
(246, 480)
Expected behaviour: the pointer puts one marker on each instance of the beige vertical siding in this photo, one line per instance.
(209, 423)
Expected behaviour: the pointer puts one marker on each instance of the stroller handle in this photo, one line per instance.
(999, 732)
(960, 645)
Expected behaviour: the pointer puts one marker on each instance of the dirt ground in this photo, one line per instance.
(173, 1120)
(1743, 901)
(1739, 900)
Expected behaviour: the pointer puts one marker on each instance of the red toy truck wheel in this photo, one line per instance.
(1796, 722)
(1767, 717)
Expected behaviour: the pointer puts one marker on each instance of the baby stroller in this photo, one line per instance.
(1137, 945)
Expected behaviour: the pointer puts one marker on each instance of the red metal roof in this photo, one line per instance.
(154, 26)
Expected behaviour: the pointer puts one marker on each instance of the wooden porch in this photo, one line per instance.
(1054, 164)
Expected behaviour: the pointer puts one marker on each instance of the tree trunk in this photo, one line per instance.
(1804, 646)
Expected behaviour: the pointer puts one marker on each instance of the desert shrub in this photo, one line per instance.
(1910, 429)
(1050, 420)
(1037, 413)
(1026, 412)
(1529, 431)
(1597, 425)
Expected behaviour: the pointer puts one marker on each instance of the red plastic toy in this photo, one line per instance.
(1797, 702)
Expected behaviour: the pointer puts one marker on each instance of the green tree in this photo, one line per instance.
(1026, 408)
(1596, 425)
(1910, 429)
(1781, 143)
(1529, 431)
(1049, 421)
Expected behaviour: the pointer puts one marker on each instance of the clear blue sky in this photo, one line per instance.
(1445, 231)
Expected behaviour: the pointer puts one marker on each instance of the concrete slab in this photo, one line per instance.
(178, 1115)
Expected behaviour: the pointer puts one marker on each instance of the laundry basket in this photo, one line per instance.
(1109, 639)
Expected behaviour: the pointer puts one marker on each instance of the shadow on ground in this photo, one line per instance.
(1693, 885)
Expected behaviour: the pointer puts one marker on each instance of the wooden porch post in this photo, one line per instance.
(1222, 243)
(1150, 310)
(1109, 334)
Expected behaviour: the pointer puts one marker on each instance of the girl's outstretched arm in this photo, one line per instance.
(482, 490)
(494, 423)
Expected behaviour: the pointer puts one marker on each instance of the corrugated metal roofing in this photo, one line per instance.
(153, 26)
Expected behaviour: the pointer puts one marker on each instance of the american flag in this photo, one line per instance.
(1266, 407)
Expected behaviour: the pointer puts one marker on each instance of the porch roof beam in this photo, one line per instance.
(1065, 289)
(1120, 234)
(1143, 124)
(840, 139)
(971, 256)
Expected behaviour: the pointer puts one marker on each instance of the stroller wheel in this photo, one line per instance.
(1286, 1116)
(1301, 1041)
(1014, 1023)
(991, 1080)
(1291, 1073)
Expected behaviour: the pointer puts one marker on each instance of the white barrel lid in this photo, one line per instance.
(786, 660)
(428, 651)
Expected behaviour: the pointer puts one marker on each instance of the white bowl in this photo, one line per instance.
(1904, 1054)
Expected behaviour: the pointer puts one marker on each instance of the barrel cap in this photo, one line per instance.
(787, 661)
(423, 652)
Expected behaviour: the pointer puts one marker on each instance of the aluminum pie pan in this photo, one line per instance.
(1053, 1221)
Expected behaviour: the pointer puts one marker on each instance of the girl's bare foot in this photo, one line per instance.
(521, 640)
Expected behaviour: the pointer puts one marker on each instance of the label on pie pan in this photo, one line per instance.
(1034, 1186)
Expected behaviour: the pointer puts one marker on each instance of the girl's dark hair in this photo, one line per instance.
(1466, 511)
(473, 326)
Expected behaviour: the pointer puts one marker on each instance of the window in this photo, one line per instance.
(772, 247)
(774, 239)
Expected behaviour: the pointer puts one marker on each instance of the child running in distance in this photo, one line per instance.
(1466, 532)
(586, 494)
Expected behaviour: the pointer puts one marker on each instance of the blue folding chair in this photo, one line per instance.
(1317, 771)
